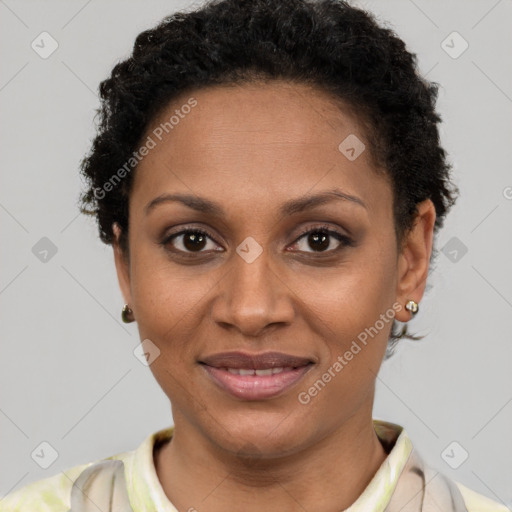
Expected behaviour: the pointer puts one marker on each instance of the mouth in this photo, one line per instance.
(255, 376)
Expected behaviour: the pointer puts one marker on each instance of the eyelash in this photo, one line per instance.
(345, 240)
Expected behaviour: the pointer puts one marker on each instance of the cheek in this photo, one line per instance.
(351, 297)
(162, 292)
(168, 311)
(354, 322)
(352, 310)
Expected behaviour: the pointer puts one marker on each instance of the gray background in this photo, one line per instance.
(68, 375)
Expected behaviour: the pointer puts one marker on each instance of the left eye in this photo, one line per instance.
(320, 240)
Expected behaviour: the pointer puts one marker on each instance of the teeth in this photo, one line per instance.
(261, 373)
(264, 372)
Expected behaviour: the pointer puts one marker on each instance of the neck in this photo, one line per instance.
(328, 476)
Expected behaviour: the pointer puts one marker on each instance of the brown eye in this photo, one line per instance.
(320, 240)
(194, 241)
(190, 241)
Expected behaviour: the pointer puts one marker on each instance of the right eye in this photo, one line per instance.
(189, 241)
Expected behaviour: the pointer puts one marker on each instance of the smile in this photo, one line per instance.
(267, 371)
(255, 377)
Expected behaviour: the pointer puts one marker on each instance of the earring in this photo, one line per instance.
(412, 307)
(127, 314)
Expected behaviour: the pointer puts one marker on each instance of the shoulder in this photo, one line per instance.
(396, 437)
(51, 494)
(478, 502)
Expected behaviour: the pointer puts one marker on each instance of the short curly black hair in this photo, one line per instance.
(324, 43)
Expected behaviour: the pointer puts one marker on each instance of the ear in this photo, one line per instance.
(414, 259)
(122, 266)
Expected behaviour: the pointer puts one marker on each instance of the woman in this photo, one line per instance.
(270, 178)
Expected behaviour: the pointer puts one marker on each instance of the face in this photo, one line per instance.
(260, 258)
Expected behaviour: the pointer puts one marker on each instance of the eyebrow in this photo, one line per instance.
(289, 208)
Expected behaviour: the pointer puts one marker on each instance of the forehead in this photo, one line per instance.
(259, 112)
(275, 138)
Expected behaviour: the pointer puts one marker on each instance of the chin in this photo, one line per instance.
(257, 433)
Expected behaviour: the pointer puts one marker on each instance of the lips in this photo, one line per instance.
(241, 360)
(255, 376)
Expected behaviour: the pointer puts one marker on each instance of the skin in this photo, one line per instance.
(251, 148)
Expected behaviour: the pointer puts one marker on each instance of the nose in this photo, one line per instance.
(252, 297)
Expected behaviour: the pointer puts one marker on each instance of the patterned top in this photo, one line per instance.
(145, 492)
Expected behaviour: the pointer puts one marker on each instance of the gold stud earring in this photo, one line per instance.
(127, 314)
(412, 306)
